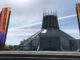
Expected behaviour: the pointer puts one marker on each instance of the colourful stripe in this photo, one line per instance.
(78, 14)
(3, 27)
(0, 17)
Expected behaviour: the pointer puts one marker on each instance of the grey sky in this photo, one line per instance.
(26, 12)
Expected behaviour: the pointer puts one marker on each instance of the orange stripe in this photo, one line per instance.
(4, 19)
(2, 16)
(0, 21)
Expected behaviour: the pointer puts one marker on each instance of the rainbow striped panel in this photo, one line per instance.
(5, 14)
(0, 28)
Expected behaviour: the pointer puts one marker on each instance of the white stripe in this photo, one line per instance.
(65, 17)
(20, 34)
(25, 26)
(70, 31)
(60, 18)
(22, 30)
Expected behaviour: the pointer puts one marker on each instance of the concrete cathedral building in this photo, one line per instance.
(50, 37)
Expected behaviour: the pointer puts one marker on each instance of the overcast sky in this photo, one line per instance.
(26, 17)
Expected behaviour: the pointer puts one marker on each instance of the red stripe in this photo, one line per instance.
(4, 20)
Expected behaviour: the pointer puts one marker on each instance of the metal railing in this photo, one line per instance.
(40, 55)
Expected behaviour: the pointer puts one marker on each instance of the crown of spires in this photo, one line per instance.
(49, 12)
(50, 19)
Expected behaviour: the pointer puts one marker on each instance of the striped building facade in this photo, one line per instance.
(4, 19)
